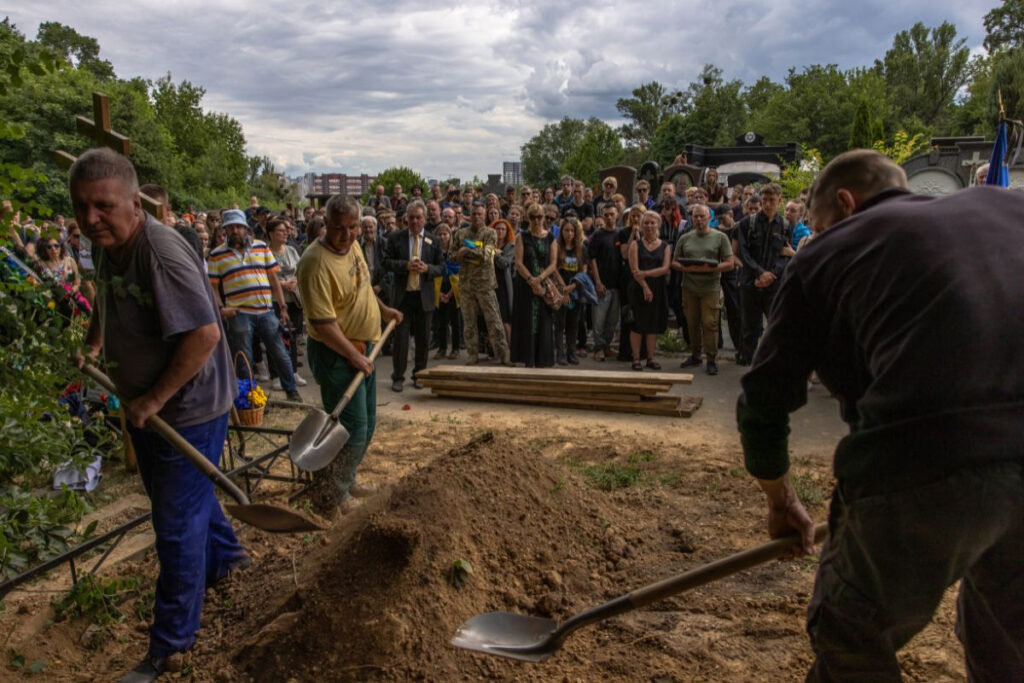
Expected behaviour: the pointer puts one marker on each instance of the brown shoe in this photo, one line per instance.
(453, 355)
(473, 360)
(439, 355)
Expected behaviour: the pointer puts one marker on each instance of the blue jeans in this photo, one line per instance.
(240, 331)
(195, 543)
(606, 319)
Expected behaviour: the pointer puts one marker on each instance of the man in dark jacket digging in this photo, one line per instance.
(909, 309)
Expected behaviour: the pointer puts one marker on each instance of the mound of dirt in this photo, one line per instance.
(385, 601)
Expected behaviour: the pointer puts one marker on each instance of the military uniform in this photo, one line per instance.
(477, 283)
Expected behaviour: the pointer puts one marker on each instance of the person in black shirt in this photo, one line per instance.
(582, 210)
(930, 481)
(603, 251)
(764, 251)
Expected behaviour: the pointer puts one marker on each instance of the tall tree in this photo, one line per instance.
(861, 135)
(924, 69)
(599, 148)
(71, 46)
(646, 109)
(713, 108)
(545, 153)
(1005, 26)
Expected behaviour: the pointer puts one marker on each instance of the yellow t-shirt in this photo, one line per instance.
(338, 286)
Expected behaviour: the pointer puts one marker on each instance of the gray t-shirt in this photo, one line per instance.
(145, 305)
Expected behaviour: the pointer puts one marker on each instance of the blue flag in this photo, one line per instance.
(998, 171)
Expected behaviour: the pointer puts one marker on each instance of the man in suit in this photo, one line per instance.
(414, 257)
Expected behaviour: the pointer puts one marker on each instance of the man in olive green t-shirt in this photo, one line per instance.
(343, 316)
(702, 288)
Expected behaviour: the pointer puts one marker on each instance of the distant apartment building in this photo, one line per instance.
(339, 183)
(512, 172)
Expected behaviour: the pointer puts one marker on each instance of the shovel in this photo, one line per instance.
(533, 639)
(261, 516)
(319, 438)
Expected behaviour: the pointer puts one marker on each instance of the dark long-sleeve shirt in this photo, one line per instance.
(912, 313)
(760, 242)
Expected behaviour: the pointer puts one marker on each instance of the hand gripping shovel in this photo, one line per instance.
(533, 639)
(261, 516)
(319, 438)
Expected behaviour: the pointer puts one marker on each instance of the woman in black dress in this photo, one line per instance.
(649, 264)
(504, 261)
(533, 338)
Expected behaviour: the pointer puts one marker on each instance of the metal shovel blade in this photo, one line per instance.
(517, 636)
(271, 518)
(316, 441)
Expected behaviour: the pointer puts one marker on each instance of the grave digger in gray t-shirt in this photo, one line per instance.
(145, 305)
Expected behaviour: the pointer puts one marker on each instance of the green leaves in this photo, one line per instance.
(34, 528)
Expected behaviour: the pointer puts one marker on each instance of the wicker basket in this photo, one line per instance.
(250, 417)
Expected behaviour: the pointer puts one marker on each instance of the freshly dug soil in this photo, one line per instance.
(550, 520)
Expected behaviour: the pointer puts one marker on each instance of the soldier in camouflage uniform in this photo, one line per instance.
(473, 248)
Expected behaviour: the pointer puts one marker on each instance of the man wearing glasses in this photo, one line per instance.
(608, 187)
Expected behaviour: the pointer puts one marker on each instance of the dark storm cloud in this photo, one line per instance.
(452, 89)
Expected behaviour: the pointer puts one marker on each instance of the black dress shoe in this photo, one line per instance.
(396, 385)
(149, 669)
(691, 362)
(416, 384)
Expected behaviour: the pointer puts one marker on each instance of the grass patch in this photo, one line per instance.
(808, 490)
(671, 341)
(611, 476)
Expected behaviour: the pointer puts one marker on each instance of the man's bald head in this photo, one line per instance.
(847, 181)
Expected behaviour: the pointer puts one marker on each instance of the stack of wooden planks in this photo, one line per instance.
(644, 393)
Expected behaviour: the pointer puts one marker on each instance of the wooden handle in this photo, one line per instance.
(358, 379)
(719, 569)
(177, 441)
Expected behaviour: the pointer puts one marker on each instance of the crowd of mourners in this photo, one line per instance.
(539, 277)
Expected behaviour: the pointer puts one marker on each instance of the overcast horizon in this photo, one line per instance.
(456, 90)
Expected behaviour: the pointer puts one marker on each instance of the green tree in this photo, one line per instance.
(924, 69)
(599, 148)
(646, 109)
(713, 108)
(903, 146)
(1005, 26)
(669, 139)
(73, 47)
(861, 133)
(543, 156)
(403, 175)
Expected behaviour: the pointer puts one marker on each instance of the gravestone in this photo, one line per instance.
(494, 185)
(651, 172)
(951, 163)
(748, 160)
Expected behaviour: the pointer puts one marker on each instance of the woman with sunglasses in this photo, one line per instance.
(533, 332)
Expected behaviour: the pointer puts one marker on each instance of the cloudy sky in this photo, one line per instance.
(455, 89)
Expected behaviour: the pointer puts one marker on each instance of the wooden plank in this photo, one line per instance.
(634, 388)
(526, 392)
(557, 375)
(602, 387)
(684, 406)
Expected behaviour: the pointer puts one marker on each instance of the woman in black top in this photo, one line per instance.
(504, 261)
(714, 190)
(649, 264)
(571, 260)
(532, 321)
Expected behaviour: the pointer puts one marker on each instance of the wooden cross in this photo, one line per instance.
(99, 130)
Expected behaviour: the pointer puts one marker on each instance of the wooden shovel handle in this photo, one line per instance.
(358, 379)
(719, 569)
(177, 441)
